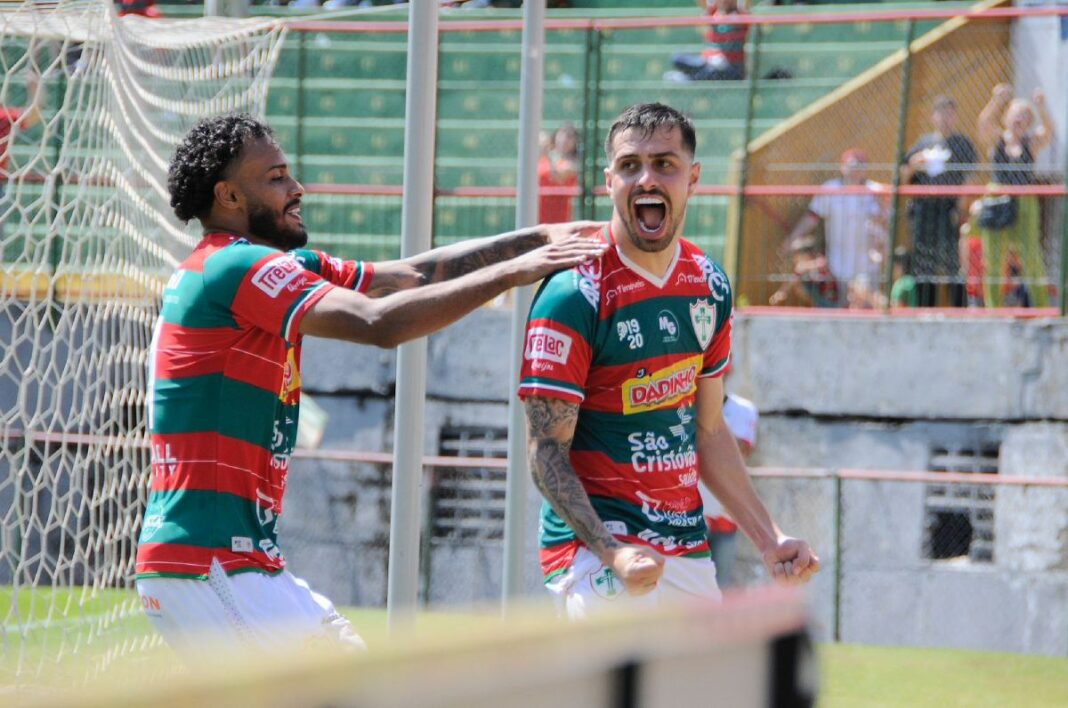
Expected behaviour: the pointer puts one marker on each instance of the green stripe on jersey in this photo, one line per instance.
(553, 384)
(560, 296)
(214, 403)
(651, 433)
(226, 269)
(194, 517)
(182, 304)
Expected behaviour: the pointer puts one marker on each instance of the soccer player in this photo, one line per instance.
(225, 373)
(624, 396)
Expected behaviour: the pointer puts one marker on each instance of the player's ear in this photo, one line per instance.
(695, 177)
(226, 195)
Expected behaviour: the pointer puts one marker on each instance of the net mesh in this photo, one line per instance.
(94, 105)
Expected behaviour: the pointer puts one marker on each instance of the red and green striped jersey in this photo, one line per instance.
(628, 348)
(225, 372)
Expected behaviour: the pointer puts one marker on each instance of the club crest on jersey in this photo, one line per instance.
(703, 318)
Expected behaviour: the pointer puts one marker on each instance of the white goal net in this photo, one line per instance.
(91, 107)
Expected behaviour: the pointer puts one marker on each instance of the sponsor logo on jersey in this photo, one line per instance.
(274, 275)
(616, 527)
(290, 391)
(589, 275)
(153, 523)
(547, 344)
(703, 318)
(163, 460)
(688, 479)
(654, 511)
(241, 544)
(623, 288)
(669, 326)
(661, 388)
(265, 514)
(717, 281)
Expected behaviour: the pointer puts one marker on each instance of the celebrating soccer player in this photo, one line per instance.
(225, 370)
(623, 392)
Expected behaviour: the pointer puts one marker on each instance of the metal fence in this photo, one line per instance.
(819, 162)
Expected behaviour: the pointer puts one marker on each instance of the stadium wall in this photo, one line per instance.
(871, 393)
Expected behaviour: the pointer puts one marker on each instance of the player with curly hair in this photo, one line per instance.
(225, 373)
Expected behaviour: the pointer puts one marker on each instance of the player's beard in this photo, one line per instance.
(272, 228)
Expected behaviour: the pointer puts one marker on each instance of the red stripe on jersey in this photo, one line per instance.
(556, 352)
(676, 551)
(606, 385)
(558, 558)
(212, 462)
(195, 561)
(209, 245)
(182, 352)
(601, 476)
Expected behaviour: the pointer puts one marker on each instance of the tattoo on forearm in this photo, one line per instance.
(554, 476)
(453, 264)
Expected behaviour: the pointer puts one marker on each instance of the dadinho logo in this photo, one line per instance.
(277, 273)
(661, 388)
(547, 344)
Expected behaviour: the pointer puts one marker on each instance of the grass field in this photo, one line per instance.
(850, 675)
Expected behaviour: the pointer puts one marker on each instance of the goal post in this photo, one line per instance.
(95, 105)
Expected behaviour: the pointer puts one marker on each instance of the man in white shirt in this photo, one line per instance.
(854, 225)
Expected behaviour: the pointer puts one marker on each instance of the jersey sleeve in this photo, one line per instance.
(718, 352)
(354, 275)
(263, 287)
(557, 351)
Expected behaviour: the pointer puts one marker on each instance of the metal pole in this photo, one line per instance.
(531, 81)
(899, 152)
(416, 225)
(1063, 284)
(743, 172)
(837, 629)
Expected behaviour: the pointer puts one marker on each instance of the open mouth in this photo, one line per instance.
(650, 212)
(293, 212)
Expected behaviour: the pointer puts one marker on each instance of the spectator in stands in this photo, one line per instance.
(812, 284)
(972, 262)
(854, 225)
(144, 8)
(903, 293)
(724, 57)
(742, 417)
(13, 120)
(942, 157)
(558, 167)
(1010, 131)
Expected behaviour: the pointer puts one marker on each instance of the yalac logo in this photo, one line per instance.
(703, 317)
(548, 344)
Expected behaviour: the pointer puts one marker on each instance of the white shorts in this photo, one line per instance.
(588, 587)
(255, 610)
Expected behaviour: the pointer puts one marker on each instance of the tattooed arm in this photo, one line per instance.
(551, 427)
(455, 260)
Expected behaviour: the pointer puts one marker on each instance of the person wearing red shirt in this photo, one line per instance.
(558, 167)
(724, 57)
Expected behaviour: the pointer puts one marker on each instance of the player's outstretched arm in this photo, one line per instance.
(789, 560)
(551, 427)
(392, 320)
(459, 259)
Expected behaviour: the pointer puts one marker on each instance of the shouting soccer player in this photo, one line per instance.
(225, 371)
(624, 396)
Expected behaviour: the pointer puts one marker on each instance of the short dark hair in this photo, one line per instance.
(204, 156)
(649, 118)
